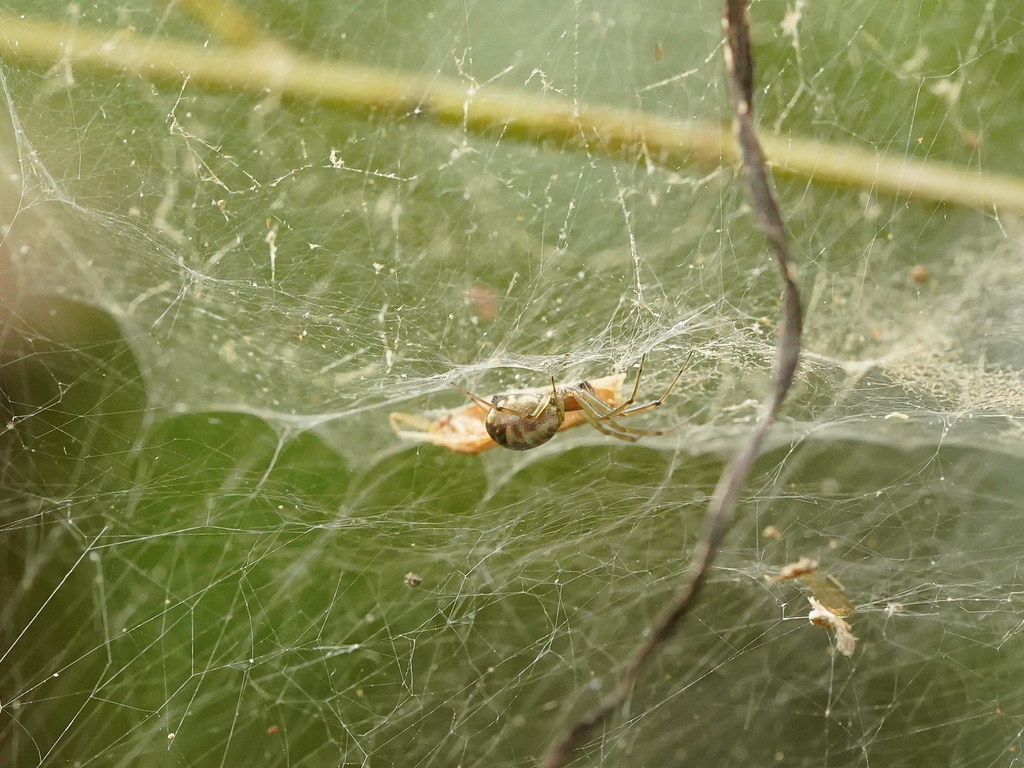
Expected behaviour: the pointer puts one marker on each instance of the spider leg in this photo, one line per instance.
(624, 409)
(598, 422)
(594, 411)
(475, 398)
(644, 432)
(606, 410)
(546, 400)
(591, 403)
(604, 419)
(636, 385)
(604, 424)
(544, 403)
(481, 401)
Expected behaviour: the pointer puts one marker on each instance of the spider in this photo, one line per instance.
(521, 421)
(462, 430)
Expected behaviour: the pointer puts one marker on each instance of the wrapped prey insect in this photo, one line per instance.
(528, 418)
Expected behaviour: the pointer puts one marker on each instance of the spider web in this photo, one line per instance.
(212, 300)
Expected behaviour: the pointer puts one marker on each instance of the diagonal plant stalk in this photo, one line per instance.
(266, 66)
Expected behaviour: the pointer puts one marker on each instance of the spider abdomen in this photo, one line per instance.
(513, 421)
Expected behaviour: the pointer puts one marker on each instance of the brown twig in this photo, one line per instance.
(740, 65)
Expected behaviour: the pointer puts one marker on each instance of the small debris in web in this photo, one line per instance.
(483, 302)
(919, 273)
(412, 579)
(822, 617)
(891, 609)
(801, 567)
(827, 590)
(829, 605)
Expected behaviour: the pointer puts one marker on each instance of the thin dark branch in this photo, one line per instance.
(740, 64)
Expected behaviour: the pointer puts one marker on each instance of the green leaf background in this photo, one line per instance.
(207, 520)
